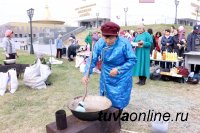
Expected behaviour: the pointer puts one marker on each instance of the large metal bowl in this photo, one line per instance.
(9, 61)
(93, 105)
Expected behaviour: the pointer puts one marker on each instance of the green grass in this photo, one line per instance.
(23, 58)
(29, 110)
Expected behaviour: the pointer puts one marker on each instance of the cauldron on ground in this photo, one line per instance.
(93, 105)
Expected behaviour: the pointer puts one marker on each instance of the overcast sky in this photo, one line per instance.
(15, 10)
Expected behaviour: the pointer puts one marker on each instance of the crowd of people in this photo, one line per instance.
(171, 39)
(121, 60)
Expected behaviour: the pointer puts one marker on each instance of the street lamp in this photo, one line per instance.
(126, 10)
(197, 13)
(30, 13)
(97, 14)
(176, 4)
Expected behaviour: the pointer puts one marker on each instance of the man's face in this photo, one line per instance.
(167, 33)
(175, 32)
(140, 30)
(110, 40)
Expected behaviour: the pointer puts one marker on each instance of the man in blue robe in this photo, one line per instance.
(118, 60)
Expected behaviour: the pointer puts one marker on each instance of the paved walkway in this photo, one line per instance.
(40, 48)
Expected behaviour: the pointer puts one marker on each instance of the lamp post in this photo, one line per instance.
(30, 13)
(97, 14)
(197, 13)
(125, 11)
(176, 4)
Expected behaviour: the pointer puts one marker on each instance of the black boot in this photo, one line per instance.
(143, 80)
(140, 80)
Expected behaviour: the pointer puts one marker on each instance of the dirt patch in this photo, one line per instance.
(164, 97)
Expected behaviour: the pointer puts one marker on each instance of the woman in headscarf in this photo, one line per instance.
(142, 68)
(118, 60)
(9, 46)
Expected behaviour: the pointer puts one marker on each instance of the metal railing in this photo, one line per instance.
(76, 31)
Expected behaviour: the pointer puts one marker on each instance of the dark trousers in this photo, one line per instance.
(142, 79)
(195, 69)
(11, 56)
(71, 52)
(59, 53)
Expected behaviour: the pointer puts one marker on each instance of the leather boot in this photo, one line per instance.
(140, 80)
(143, 80)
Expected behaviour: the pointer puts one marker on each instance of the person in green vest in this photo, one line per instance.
(142, 68)
(88, 40)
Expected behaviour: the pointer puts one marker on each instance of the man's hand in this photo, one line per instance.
(140, 44)
(184, 41)
(113, 72)
(179, 46)
(85, 80)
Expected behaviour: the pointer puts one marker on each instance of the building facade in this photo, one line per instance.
(132, 12)
(92, 13)
(21, 29)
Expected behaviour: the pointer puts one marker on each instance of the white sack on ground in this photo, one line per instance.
(44, 71)
(79, 60)
(3, 83)
(36, 75)
(82, 67)
(32, 71)
(12, 82)
(52, 60)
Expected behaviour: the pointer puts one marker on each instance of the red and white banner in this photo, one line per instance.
(146, 1)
